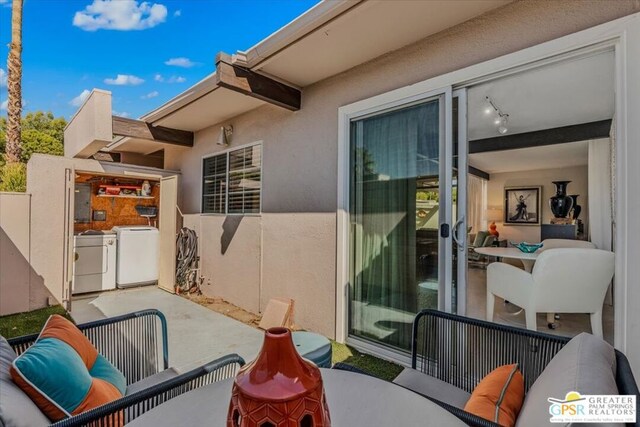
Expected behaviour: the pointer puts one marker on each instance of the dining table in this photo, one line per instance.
(354, 400)
(527, 259)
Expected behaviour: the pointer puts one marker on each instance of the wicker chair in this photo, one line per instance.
(461, 351)
(136, 344)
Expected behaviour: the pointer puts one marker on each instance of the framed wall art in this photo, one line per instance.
(522, 205)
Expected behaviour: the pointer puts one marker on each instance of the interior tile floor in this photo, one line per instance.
(568, 324)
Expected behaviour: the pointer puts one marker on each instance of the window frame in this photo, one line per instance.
(227, 152)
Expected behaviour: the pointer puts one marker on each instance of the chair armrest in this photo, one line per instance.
(624, 377)
(136, 343)
(128, 408)
(509, 282)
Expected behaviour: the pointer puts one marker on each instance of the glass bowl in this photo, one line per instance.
(527, 248)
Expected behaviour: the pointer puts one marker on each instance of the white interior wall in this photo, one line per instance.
(543, 177)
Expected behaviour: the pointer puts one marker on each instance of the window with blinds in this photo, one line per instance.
(231, 181)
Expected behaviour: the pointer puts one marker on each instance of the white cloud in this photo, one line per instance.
(172, 79)
(180, 62)
(124, 80)
(177, 13)
(150, 95)
(78, 100)
(123, 15)
(120, 113)
(3, 76)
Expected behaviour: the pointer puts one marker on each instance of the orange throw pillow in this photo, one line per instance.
(499, 396)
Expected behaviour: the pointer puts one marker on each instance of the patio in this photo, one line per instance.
(196, 334)
(153, 394)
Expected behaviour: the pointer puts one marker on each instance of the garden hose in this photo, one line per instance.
(186, 258)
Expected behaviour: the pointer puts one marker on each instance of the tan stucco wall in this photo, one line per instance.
(578, 175)
(300, 148)
(90, 128)
(21, 289)
(14, 253)
(230, 254)
(298, 262)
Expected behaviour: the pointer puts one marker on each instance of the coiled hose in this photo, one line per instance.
(186, 258)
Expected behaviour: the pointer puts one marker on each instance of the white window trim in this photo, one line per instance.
(623, 35)
(226, 203)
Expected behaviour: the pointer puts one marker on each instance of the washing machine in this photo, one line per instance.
(138, 255)
(94, 268)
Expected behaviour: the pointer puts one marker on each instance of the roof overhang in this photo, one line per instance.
(328, 39)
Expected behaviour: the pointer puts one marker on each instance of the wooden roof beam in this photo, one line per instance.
(540, 138)
(240, 79)
(140, 129)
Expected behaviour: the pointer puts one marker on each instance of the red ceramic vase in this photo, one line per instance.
(279, 388)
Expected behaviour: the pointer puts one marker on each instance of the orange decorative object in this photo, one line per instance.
(279, 388)
(493, 230)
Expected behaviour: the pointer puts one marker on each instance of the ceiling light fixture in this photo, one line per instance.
(501, 119)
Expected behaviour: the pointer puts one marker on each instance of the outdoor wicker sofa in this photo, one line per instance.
(136, 344)
(451, 354)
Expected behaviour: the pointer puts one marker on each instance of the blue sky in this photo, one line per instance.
(144, 53)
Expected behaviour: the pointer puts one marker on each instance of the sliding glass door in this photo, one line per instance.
(401, 246)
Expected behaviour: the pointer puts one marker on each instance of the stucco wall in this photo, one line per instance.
(578, 175)
(300, 148)
(229, 250)
(21, 288)
(90, 128)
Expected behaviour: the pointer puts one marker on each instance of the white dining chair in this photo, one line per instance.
(563, 280)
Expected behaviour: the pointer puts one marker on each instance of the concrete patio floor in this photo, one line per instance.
(196, 334)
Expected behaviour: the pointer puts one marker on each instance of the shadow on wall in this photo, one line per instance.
(21, 288)
(229, 228)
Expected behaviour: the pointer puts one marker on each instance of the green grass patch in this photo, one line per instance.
(370, 364)
(16, 325)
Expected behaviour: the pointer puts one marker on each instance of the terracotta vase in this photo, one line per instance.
(279, 388)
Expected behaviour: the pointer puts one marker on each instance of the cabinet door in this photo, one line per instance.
(82, 204)
(168, 231)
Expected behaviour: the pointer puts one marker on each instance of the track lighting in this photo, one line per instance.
(501, 119)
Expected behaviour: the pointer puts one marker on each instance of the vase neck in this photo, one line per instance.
(561, 187)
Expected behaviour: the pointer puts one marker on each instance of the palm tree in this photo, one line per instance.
(14, 84)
